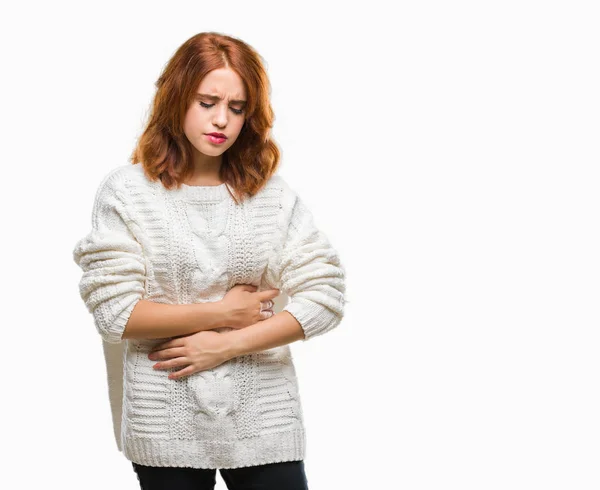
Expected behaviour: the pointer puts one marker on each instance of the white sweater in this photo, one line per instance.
(191, 245)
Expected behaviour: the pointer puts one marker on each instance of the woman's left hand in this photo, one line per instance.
(196, 352)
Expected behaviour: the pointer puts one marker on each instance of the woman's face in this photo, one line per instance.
(221, 109)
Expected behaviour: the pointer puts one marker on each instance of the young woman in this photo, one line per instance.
(191, 244)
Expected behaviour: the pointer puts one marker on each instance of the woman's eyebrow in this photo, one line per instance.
(216, 97)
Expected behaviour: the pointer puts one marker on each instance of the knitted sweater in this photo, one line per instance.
(192, 245)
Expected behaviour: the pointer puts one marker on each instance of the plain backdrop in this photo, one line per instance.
(449, 151)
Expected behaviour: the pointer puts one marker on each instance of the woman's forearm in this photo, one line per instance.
(280, 329)
(149, 320)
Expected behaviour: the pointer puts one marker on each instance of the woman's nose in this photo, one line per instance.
(221, 118)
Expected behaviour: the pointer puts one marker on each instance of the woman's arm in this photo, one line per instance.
(150, 320)
(308, 269)
(278, 330)
(113, 283)
(115, 273)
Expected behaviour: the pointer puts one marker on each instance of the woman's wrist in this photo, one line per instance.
(231, 342)
(221, 314)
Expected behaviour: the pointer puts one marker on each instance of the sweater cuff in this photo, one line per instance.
(114, 333)
(314, 318)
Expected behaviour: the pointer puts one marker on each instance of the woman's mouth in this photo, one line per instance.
(216, 139)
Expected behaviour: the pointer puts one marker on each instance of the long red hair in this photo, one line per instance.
(164, 150)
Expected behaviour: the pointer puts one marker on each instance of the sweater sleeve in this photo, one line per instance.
(309, 271)
(112, 261)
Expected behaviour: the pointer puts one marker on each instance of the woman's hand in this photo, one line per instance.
(245, 306)
(196, 352)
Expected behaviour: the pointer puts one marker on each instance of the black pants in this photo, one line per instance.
(288, 475)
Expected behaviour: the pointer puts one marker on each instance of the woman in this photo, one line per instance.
(190, 245)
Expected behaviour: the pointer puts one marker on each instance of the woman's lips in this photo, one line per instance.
(215, 139)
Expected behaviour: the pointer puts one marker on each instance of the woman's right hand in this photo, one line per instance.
(243, 305)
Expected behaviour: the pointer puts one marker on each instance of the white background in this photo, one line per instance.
(449, 150)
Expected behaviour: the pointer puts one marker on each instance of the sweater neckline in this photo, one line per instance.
(202, 192)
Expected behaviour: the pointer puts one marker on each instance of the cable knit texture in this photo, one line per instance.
(192, 245)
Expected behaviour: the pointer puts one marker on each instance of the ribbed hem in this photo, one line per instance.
(265, 449)
(114, 334)
(315, 319)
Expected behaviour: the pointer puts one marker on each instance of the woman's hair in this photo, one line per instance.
(163, 148)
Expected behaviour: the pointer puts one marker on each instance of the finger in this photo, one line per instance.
(183, 372)
(268, 294)
(167, 353)
(178, 342)
(267, 305)
(171, 363)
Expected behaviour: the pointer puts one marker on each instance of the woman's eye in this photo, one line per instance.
(208, 106)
